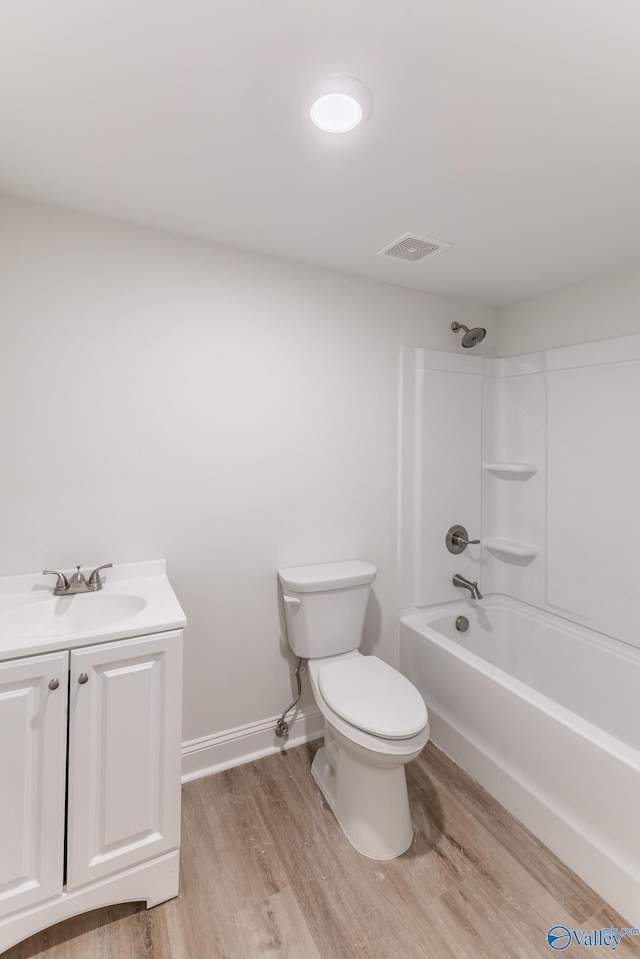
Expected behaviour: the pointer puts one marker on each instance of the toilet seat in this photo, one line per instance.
(372, 696)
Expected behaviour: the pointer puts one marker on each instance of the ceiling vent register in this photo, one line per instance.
(412, 248)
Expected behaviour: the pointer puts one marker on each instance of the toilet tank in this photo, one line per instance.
(325, 606)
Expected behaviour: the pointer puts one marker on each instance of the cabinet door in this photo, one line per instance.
(33, 741)
(125, 705)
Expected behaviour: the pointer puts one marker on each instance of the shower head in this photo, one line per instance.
(471, 337)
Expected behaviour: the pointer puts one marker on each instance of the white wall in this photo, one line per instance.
(588, 401)
(584, 499)
(596, 310)
(165, 397)
(571, 411)
(441, 472)
(514, 433)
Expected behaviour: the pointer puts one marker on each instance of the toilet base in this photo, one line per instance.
(371, 803)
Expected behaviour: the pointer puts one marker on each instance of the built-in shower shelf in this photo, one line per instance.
(509, 548)
(511, 469)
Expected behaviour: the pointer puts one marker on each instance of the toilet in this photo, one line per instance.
(375, 719)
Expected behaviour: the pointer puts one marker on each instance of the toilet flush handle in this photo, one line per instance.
(291, 600)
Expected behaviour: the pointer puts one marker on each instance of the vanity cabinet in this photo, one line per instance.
(90, 751)
(33, 746)
(124, 755)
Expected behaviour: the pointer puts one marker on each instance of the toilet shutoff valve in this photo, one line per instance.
(282, 729)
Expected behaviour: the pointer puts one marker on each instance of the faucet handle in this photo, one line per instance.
(62, 583)
(457, 539)
(94, 580)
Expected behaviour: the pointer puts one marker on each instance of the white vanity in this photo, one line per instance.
(90, 740)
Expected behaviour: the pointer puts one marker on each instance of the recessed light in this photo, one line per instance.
(336, 113)
(338, 104)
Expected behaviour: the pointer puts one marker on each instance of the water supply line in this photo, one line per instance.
(282, 727)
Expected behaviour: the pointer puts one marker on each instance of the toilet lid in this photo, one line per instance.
(373, 696)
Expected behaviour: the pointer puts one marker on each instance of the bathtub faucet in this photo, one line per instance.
(459, 580)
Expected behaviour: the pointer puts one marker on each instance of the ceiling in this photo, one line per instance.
(508, 128)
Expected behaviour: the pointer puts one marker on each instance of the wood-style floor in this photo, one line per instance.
(266, 872)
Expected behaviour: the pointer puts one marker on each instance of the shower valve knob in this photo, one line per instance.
(457, 540)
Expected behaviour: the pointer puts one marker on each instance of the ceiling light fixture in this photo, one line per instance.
(338, 104)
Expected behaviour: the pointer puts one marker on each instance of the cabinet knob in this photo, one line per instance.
(54, 684)
(83, 678)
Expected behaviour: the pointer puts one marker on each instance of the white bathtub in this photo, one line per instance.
(546, 716)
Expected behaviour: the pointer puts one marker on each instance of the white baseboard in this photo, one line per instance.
(212, 754)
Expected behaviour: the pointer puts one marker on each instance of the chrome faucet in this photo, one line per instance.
(77, 583)
(459, 580)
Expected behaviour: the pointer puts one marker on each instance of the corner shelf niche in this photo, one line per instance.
(514, 470)
(508, 549)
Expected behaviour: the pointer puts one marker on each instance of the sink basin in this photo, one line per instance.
(106, 611)
(49, 615)
(136, 599)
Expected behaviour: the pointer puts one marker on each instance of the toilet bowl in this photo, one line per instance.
(375, 719)
(361, 773)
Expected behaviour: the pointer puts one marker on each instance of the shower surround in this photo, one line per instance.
(536, 456)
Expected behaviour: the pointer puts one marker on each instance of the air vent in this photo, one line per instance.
(412, 248)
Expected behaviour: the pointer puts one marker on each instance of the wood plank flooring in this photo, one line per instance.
(268, 874)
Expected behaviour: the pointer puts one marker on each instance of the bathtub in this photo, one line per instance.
(546, 716)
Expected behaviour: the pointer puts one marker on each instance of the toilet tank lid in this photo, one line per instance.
(312, 579)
